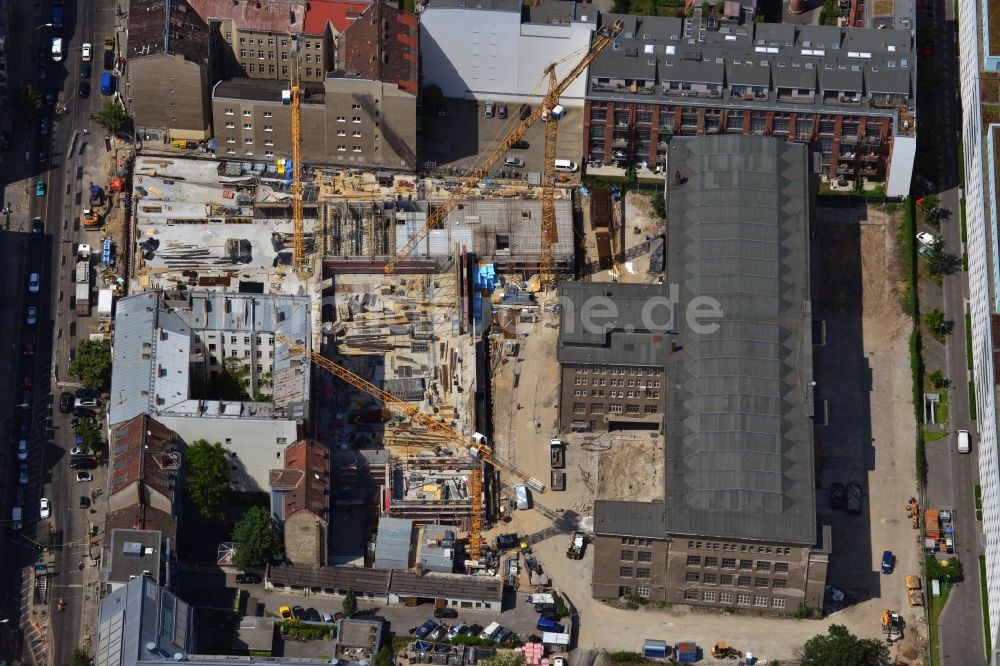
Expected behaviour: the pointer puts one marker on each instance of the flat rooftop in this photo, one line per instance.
(133, 553)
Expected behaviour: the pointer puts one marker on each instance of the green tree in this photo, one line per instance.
(256, 542)
(939, 262)
(113, 117)
(938, 379)
(949, 571)
(79, 658)
(936, 322)
(929, 204)
(504, 658)
(839, 647)
(207, 478)
(830, 13)
(92, 364)
(383, 657)
(350, 606)
(25, 99)
(90, 433)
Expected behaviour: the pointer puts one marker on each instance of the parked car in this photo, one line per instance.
(502, 111)
(285, 612)
(513, 162)
(924, 182)
(523, 112)
(37, 228)
(426, 628)
(82, 462)
(337, 617)
(445, 613)
(32, 315)
(248, 578)
(313, 615)
(84, 413)
(86, 402)
(550, 615)
(22, 450)
(327, 618)
(77, 450)
(520, 145)
(44, 508)
(472, 630)
(22, 474)
(455, 631)
(299, 613)
(437, 634)
(65, 402)
(84, 477)
(28, 345)
(85, 51)
(925, 238)
(27, 380)
(43, 127)
(84, 89)
(888, 562)
(488, 110)
(502, 635)
(34, 282)
(85, 70)
(39, 188)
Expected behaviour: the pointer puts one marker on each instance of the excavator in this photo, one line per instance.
(892, 624)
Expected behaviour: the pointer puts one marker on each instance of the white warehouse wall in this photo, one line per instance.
(488, 54)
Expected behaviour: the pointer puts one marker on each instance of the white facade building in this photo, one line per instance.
(498, 50)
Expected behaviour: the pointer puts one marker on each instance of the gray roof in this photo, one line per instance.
(895, 80)
(738, 420)
(383, 581)
(558, 12)
(489, 5)
(132, 553)
(656, 51)
(604, 323)
(136, 615)
(639, 519)
(393, 543)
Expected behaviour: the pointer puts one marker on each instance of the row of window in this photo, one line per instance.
(615, 408)
(643, 556)
(248, 126)
(602, 381)
(638, 572)
(249, 152)
(633, 541)
(616, 370)
(270, 41)
(740, 599)
(741, 547)
(233, 339)
(744, 565)
(598, 393)
(737, 581)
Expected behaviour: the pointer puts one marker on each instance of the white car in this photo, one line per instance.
(455, 631)
(84, 477)
(32, 318)
(85, 52)
(44, 510)
(34, 283)
(57, 52)
(77, 451)
(925, 238)
(22, 450)
(86, 402)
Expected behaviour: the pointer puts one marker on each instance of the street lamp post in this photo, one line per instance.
(44, 25)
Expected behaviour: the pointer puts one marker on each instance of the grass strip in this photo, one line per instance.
(972, 400)
(985, 595)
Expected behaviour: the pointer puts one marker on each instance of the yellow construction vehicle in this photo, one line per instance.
(723, 651)
(892, 624)
(477, 445)
(602, 39)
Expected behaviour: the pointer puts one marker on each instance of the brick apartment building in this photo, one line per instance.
(848, 93)
(737, 525)
(610, 377)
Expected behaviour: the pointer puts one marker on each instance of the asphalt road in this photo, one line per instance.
(952, 476)
(37, 156)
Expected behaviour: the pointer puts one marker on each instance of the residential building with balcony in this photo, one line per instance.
(848, 93)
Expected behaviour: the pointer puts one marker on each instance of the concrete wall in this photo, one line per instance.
(255, 446)
(904, 152)
(709, 573)
(169, 92)
(489, 55)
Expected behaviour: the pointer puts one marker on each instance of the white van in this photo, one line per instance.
(963, 441)
(57, 53)
(523, 498)
(566, 165)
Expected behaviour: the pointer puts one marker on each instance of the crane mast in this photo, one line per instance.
(437, 217)
(295, 85)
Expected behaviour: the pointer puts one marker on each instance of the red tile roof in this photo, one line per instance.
(137, 517)
(309, 461)
(341, 13)
(143, 450)
(388, 55)
(272, 15)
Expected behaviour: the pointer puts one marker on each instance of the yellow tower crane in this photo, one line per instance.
(295, 89)
(476, 445)
(437, 217)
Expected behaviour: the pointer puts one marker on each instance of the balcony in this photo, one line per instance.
(873, 140)
(888, 101)
(756, 95)
(622, 88)
(849, 139)
(843, 98)
(795, 97)
(619, 143)
(696, 93)
(845, 168)
(869, 157)
(848, 156)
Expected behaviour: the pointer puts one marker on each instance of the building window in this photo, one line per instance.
(356, 134)
(341, 119)
(268, 128)
(268, 114)
(777, 602)
(270, 41)
(230, 139)
(728, 563)
(694, 561)
(356, 149)
(781, 567)
(711, 561)
(578, 407)
(763, 565)
(708, 578)
(229, 112)
(725, 579)
(628, 541)
(248, 142)
(624, 590)
(746, 565)
(645, 556)
(625, 572)
(615, 408)
(642, 592)
(284, 56)
(309, 57)
(356, 119)
(284, 70)
(692, 595)
(342, 148)
(726, 597)
(691, 577)
(247, 126)
(761, 582)
(760, 600)
(743, 581)
(243, 52)
(260, 54)
(743, 599)
(341, 133)
(249, 153)
(643, 573)
(708, 596)
(779, 583)
(230, 125)
(309, 71)
(229, 151)
(628, 555)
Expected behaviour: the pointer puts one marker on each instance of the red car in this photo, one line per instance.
(28, 345)
(26, 381)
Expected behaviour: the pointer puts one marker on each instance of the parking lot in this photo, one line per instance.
(459, 138)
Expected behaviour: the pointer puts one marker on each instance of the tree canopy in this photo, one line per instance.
(350, 604)
(839, 647)
(25, 99)
(92, 364)
(79, 658)
(90, 433)
(255, 540)
(112, 117)
(207, 478)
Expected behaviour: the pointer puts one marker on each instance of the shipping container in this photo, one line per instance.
(655, 649)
